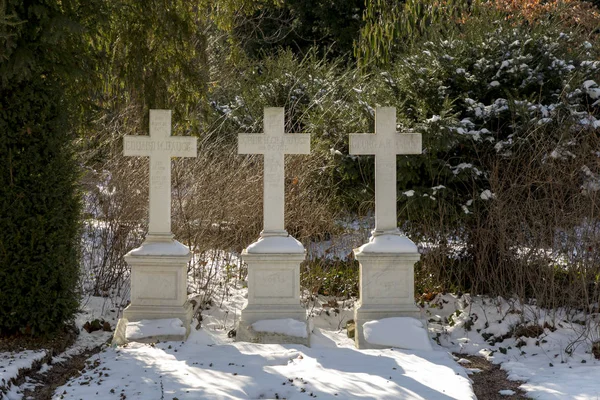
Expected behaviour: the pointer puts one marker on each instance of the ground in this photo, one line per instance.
(544, 355)
(210, 365)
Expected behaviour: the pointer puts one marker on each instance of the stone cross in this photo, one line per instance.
(160, 146)
(274, 144)
(385, 144)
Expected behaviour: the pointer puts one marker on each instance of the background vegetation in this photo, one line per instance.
(503, 200)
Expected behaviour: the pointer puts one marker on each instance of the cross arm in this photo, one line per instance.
(408, 143)
(364, 144)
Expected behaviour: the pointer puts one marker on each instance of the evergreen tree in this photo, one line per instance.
(40, 48)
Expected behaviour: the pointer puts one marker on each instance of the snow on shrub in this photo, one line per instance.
(481, 95)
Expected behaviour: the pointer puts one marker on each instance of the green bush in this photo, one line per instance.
(331, 277)
(478, 97)
(508, 114)
(39, 203)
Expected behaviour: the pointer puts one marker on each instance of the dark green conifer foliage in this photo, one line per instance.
(39, 203)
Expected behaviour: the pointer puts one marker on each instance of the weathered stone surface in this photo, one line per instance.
(247, 334)
(273, 293)
(385, 144)
(387, 260)
(274, 144)
(160, 146)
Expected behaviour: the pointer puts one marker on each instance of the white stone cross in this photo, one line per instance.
(160, 146)
(385, 144)
(274, 144)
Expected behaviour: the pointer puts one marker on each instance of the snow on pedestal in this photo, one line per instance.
(148, 330)
(159, 266)
(387, 260)
(402, 332)
(274, 259)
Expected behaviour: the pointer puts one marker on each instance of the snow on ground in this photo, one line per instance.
(12, 362)
(549, 351)
(555, 363)
(210, 365)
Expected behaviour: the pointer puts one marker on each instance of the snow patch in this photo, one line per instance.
(389, 243)
(487, 195)
(12, 362)
(172, 248)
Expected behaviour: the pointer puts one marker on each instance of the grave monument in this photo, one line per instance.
(274, 259)
(387, 260)
(159, 266)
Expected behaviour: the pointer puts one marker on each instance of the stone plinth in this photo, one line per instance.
(159, 282)
(273, 288)
(386, 281)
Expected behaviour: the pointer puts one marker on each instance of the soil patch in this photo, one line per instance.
(58, 374)
(488, 383)
(55, 344)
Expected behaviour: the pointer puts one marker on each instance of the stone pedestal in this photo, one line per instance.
(273, 288)
(159, 281)
(386, 281)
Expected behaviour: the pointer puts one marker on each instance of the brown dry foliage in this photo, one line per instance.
(539, 238)
(572, 14)
(216, 204)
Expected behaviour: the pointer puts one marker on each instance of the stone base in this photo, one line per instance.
(245, 333)
(273, 288)
(158, 282)
(386, 280)
(133, 314)
(258, 312)
(137, 313)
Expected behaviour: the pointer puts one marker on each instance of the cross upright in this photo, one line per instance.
(385, 144)
(274, 144)
(160, 146)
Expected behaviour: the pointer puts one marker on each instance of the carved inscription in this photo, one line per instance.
(386, 170)
(366, 144)
(163, 286)
(387, 284)
(159, 178)
(155, 145)
(274, 284)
